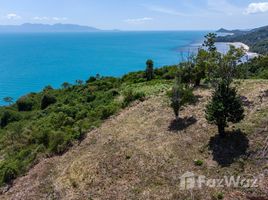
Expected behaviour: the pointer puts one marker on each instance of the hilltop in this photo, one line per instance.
(140, 153)
(256, 39)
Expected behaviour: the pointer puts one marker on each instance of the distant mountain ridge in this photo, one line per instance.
(256, 39)
(28, 27)
(223, 30)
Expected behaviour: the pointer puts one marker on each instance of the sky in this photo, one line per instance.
(138, 14)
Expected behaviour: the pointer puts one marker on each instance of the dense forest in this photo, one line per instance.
(256, 39)
(47, 123)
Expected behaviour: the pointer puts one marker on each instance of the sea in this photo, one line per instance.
(31, 61)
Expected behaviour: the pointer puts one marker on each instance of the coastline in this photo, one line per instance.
(248, 53)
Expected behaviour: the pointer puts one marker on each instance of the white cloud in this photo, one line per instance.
(12, 16)
(50, 18)
(138, 20)
(165, 10)
(257, 8)
(41, 18)
(59, 18)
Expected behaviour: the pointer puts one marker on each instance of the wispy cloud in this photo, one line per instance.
(164, 10)
(138, 20)
(254, 8)
(223, 6)
(12, 16)
(44, 18)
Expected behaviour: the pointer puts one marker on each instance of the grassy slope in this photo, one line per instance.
(141, 154)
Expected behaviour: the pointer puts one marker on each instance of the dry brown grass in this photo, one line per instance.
(140, 154)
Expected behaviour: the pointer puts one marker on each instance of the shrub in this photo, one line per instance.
(47, 100)
(107, 111)
(8, 172)
(130, 96)
(57, 142)
(91, 79)
(180, 96)
(198, 162)
(24, 104)
(7, 117)
(225, 106)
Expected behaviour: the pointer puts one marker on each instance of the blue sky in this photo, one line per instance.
(139, 14)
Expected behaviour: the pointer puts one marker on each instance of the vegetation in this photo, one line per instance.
(225, 106)
(257, 39)
(48, 123)
(149, 70)
(181, 95)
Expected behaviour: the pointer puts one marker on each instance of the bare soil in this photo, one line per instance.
(141, 153)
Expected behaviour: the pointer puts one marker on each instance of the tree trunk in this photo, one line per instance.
(221, 130)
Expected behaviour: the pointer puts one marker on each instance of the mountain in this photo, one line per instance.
(256, 39)
(223, 30)
(28, 27)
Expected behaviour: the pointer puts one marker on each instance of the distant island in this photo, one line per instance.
(28, 27)
(256, 39)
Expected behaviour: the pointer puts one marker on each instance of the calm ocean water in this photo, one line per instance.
(28, 62)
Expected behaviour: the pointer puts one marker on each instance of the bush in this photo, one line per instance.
(198, 162)
(225, 106)
(24, 104)
(57, 142)
(130, 96)
(7, 117)
(47, 100)
(8, 172)
(107, 111)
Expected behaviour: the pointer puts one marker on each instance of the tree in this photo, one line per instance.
(66, 85)
(79, 82)
(47, 100)
(201, 64)
(149, 70)
(225, 106)
(180, 96)
(209, 42)
(24, 103)
(8, 100)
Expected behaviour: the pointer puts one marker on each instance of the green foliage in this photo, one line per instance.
(257, 39)
(25, 103)
(225, 106)
(180, 96)
(209, 42)
(254, 68)
(47, 100)
(7, 116)
(149, 70)
(8, 172)
(130, 96)
(198, 162)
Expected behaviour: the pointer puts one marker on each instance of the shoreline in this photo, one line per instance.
(248, 53)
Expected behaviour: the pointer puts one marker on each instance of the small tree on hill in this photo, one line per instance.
(209, 42)
(225, 106)
(180, 96)
(149, 70)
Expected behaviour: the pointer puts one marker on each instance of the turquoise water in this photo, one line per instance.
(28, 62)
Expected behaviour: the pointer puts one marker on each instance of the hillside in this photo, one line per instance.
(256, 39)
(141, 153)
(28, 27)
